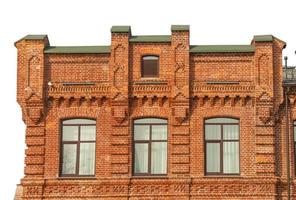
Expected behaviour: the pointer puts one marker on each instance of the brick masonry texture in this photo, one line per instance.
(191, 87)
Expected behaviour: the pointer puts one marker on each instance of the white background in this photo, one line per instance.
(89, 22)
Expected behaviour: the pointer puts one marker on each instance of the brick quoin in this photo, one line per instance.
(195, 82)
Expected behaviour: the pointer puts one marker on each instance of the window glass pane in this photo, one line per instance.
(141, 158)
(230, 132)
(141, 132)
(87, 133)
(150, 120)
(159, 158)
(222, 120)
(150, 66)
(295, 133)
(213, 157)
(294, 150)
(159, 132)
(231, 157)
(87, 159)
(213, 132)
(69, 159)
(70, 133)
(79, 121)
(150, 69)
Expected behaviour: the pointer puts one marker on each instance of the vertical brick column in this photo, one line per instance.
(119, 69)
(268, 99)
(30, 96)
(180, 131)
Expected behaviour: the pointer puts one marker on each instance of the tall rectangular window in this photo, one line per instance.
(222, 146)
(78, 147)
(150, 147)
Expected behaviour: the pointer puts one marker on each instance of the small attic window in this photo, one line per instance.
(150, 66)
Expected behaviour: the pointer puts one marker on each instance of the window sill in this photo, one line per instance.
(150, 78)
(150, 81)
(223, 176)
(76, 178)
(149, 177)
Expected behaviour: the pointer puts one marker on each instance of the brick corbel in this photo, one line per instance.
(119, 115)
(119, 110)
(34, 110)
(35, 114)
(264, 110)
(180, 115)
(265, 115)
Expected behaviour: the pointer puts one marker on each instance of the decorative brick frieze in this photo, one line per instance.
(75, 91)
(168, 189)
(240, 189)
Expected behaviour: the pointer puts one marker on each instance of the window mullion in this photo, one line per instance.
(78, 152)
(221, 152)
(149, 149)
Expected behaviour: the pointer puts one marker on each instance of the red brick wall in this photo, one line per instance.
(185, 100)
(225, 67)
(77, 68)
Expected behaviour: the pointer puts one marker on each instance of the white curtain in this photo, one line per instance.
(294, 132)
(213, 132)
(87, 159)
(159, 132)
(230, 132)
(213, 157)
(70, 133)
(141, 132)
(88, 133)
(231, 157)
(159, 158)
(141, 158)
(231, 149)
(69, 159)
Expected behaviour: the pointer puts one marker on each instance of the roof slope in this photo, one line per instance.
(222, 49)
(77, 49)
(150, 38)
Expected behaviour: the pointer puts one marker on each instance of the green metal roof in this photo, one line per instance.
(120, 29)
(180, 28)
(34, 37)
(222, 49)
(150, 38)
(77, 49)
(263, 38)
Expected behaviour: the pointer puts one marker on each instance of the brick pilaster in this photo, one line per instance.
(180, 100)
(119, 68)
(31, 97)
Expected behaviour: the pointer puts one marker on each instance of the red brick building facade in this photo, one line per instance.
(153, 117)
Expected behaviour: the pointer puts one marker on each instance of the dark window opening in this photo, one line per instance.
(150, 66)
